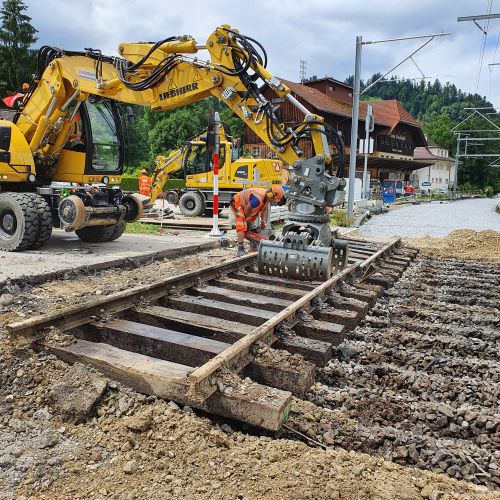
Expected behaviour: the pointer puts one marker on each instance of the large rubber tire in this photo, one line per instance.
(45, 221)
(18, 221)
(192, 204)
(100, 234)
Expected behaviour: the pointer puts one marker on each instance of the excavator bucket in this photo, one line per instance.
(307, 263)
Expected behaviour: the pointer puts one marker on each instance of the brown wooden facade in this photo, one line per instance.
(396, 133)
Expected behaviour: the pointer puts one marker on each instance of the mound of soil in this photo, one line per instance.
(461, 244)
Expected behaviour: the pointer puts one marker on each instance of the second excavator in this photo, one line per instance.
(165, 75)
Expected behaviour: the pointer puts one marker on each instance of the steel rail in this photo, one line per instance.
(24, 331)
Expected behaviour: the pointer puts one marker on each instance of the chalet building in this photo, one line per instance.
(396, 133)
(438, 175)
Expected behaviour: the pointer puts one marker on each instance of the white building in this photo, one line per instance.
(440, 175)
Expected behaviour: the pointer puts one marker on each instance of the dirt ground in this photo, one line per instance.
(460, 244)
(129, 446)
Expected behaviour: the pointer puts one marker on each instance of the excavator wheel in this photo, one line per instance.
(18, 221)
(45, 221)
(192, 204)
(100, 234)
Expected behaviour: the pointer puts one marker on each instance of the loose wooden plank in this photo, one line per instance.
(296, 378)
(353, 292)
(268, 303)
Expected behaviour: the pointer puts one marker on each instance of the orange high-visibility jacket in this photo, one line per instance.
(248, 204)
(145, 185)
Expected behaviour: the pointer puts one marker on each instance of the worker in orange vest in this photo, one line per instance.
(246, 206)
(145, 183)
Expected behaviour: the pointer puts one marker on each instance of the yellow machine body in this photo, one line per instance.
(234, 174)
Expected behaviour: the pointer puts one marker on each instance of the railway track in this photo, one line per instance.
(223, 338)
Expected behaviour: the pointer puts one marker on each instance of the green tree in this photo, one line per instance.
(439, 130)
(16, 37)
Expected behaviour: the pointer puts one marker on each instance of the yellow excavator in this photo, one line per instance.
(61, 154)
(194, 159)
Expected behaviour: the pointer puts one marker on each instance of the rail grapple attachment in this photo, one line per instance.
(300, 258)
(278, 258)
(306, 249)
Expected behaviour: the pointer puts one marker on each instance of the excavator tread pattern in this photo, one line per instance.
(45, 221)
(24, 207)
(101, 234)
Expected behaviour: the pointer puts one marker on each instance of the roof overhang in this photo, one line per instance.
(392, 164)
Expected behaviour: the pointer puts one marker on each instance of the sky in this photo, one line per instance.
(322, 32)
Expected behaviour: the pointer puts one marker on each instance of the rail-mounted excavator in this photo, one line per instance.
(66, 130)
(194, 159)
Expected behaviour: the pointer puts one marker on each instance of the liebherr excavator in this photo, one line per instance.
(41, 145)
(194, 159)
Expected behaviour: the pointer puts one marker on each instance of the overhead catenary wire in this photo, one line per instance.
(483, 45)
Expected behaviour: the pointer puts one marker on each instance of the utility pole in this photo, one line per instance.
(354, 129)
(455, 180)
(369, 127)
(355, 102)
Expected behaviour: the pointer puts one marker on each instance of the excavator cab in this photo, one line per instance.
(199, 160)
(94, 150)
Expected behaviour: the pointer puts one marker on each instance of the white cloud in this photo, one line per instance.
(321, 31)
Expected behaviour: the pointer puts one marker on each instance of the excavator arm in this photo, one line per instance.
(169, 74)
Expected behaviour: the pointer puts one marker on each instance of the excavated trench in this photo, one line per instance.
(418, 381)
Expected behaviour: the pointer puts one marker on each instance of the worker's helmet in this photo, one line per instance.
(278, 193)
(144, 172)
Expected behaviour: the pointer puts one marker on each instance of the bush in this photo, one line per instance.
(489, 191)
(132, 184)
(339, 218)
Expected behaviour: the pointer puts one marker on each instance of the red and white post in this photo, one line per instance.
(215, 232)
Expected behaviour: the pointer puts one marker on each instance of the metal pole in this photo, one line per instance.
(215, 215)
(354, 129)
(369, 111)
(455, 181)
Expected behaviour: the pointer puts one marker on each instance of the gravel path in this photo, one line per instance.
(435, 219)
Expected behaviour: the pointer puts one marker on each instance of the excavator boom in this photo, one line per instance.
(169, 74)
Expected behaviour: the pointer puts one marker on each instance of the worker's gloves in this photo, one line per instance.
(241, 250)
